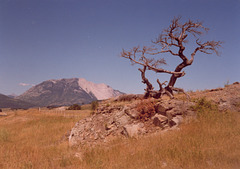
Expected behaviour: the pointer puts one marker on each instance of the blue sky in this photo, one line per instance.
(55, 39)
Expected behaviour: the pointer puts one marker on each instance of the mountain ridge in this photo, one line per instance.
(8, 102)
(59, 92)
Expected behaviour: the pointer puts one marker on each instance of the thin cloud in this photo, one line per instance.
(25, 84)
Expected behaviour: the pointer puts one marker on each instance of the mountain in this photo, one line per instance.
(12, 95)
(7, 102)
(67, 92)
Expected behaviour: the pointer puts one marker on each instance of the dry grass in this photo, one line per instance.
(213, 141)
(31, 139)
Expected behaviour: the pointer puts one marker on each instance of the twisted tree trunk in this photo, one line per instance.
(172, 41)
(149, 87)
(174, 77)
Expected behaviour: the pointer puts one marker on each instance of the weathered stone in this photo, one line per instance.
(157, 122)
(95, 136)
(133, 129)
(232, 104)
(119, 113)
(109, 126)
(160, 109)
(178, 119)
(88, 119)
(171, 123)
(129, 97)
(123, 120)
(111, 120)
(163, 119)
(174, 112)
(132, 113)
(169, 116)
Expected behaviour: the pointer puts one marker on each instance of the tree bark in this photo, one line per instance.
(149, 87)
(174, 77)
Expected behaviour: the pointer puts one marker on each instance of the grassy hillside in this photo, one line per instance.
(7, 102)
(33, 139)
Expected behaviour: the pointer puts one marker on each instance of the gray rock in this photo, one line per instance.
(160, 118)
(178, 119)
(160, 109)
(132, 113)
(175, 112)
(171, 123)
(129, 97)
(123, 120)
(133, 130)
(157, 122)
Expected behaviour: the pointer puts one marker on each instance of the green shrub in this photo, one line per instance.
(94, 105)
(203, 105)
(75, 107)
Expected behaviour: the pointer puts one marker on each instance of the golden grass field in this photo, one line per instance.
(33, 139)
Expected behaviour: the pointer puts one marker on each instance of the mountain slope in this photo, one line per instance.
(100, 91)
(7, 102)
(67, 92)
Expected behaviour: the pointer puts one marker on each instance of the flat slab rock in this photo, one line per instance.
(114, 121)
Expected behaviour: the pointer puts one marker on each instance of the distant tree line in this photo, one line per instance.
(75, 107)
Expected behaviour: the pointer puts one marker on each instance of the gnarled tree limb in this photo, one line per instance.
(149, 87)
(171, 41)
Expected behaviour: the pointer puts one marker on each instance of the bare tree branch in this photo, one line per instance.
(171, 41)
(150, 63)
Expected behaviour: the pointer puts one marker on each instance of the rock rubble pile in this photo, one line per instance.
(132, 116)
(129, 120)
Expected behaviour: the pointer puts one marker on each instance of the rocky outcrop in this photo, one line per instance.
(227, 98)
(131, 116)
(125, 120)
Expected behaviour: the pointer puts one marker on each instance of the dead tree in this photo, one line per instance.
(173, 41)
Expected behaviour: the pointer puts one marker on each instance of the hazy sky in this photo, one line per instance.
(55, 39)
